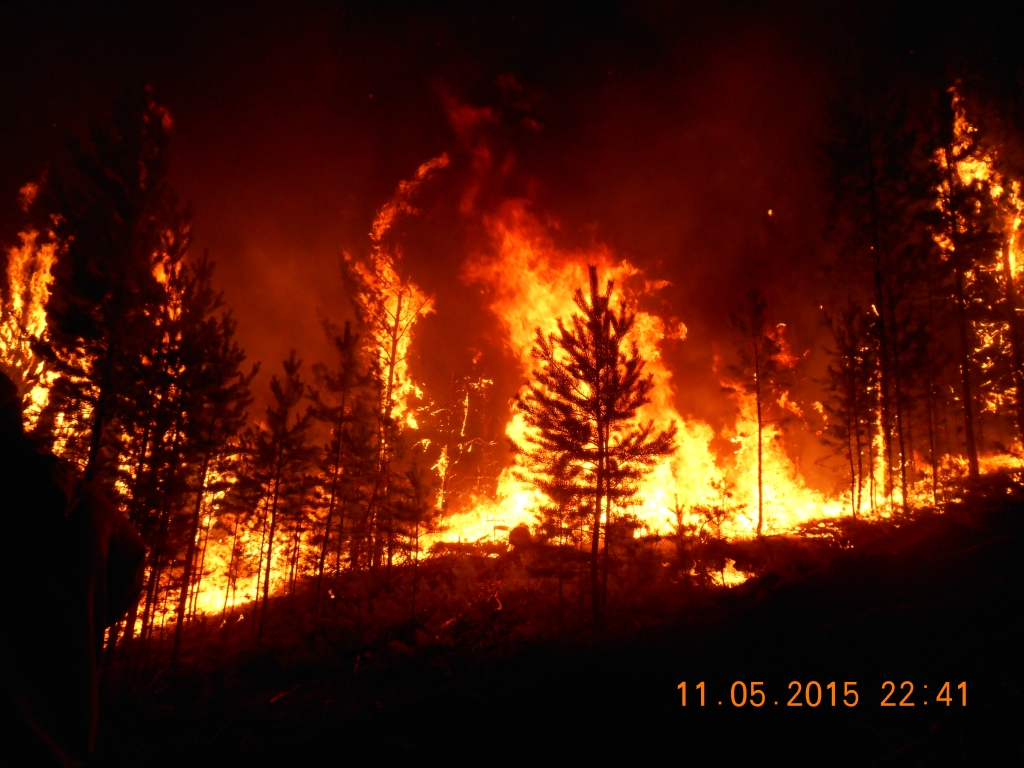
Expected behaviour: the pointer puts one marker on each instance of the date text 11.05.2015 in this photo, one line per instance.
(813, 694)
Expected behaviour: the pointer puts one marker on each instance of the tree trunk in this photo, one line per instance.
(99, 419)
(561, 559)
(415, 563)
(760, 443)
(871, 459)
(858, 446)
(270, 538)
(330, 507)
(1016, 342)
(903, 450)
(230, 588)
(853, 472)
(884, 352)
(341, 538)
(198, 587)
(971, 445)
(259, 565)
(607, 546)
(958, 257)
(932, 458)
(190, 554)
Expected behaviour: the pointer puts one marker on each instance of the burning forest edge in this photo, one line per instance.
(375, 512)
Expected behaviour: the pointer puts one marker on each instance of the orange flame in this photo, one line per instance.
(531, 283)
(391, 302)
(23, 314)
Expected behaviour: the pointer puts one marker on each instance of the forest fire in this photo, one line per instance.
(751, 488)
(531, 285)
(23, 316)
(512, 378)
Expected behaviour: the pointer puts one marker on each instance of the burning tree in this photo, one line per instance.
(387, 305)
(881, 190)
(851, 385)
(123, 231)
(581, 408)
(335, 406)
(762, 374)
(218, 394)
(967, 238)
(283, 448)
(927, 218)
(977, 232)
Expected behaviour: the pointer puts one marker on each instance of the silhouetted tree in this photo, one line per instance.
(387, 304)
(883, 188)
(414, 515)
(217, 397)
(333, 404)
(851, 393)
(121, 229)
(967, 237)
(762, 373)
(283, 448)
(581, 407)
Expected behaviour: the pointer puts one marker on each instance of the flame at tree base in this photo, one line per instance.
(531, 284)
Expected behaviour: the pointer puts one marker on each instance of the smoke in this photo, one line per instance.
(663, 133)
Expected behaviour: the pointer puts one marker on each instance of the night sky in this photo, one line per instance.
(665, 130)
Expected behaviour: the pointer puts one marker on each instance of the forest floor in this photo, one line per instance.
(931, 600)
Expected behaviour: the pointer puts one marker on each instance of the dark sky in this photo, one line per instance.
(666, 130)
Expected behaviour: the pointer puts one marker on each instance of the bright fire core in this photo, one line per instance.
(528, 283)
(531, 284)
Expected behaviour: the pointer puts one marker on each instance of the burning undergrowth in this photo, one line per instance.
(242, 512)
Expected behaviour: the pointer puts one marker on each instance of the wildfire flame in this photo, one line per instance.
(23, 314)
(531, 283)
(391, 302)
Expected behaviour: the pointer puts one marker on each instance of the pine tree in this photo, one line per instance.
(388, 305)
(284, 450)
(218, 395)
(414, 515)
(762, 374)
(122, 229)
(582, 409)
(966, 236)
(882, 189)
(851, 391)
(335, 407)
(357, 485)
(243, 502)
